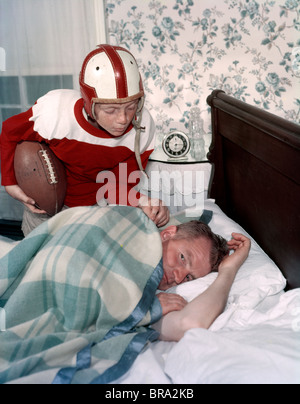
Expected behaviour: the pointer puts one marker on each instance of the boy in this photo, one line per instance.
(104, 129)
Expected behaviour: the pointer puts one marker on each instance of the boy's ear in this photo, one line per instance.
(168, 233)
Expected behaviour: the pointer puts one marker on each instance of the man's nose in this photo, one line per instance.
(180, 275)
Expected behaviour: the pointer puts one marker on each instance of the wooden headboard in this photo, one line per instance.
(256, 177)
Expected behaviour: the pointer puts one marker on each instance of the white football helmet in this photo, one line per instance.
(110, 75)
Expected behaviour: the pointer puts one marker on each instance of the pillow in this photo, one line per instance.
(258, 278)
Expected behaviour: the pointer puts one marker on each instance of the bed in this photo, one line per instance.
(256, 177)
(254, 189)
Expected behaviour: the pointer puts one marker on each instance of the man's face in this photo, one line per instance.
(115, 118)
(183, 260)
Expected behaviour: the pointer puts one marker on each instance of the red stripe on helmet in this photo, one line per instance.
(119, 70)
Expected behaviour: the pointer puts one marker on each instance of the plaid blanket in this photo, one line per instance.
(78, 296)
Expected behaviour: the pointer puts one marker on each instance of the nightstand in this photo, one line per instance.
(180, 183)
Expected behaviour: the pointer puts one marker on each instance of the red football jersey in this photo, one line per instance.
(58, 118)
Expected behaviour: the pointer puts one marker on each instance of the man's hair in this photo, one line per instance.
(196, 229)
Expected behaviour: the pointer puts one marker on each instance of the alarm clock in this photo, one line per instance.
(176, 144)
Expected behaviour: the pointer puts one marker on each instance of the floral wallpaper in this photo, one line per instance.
(187, 48)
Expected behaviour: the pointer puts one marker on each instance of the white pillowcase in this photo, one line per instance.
(258, 278)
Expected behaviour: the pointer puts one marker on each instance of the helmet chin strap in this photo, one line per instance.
(137, 142)
(93, 112)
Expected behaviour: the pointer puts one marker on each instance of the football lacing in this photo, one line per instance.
(50, 168)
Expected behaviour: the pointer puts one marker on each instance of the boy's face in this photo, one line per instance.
(115, 118)
(183, 260)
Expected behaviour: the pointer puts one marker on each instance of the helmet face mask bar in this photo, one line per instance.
(110, 75)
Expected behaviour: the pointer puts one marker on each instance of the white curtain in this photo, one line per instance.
(49, 36)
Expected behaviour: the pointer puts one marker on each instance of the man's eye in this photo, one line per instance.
(182, 257)
(189, 278)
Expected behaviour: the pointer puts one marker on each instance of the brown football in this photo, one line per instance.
(41, 175)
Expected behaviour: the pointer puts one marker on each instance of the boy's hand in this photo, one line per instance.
(155, 210)
(17, 193)
(171, 302)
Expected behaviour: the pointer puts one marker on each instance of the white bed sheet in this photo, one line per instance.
(255, 340)
(263, 350)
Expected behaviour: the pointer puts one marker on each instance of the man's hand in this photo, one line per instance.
(240, 245)
(171, 302)
(155, 210)
(17, 193)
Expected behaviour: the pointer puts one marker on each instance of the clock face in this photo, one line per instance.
(176, 144)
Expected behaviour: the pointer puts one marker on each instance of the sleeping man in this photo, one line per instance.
(192, 251)
(84, 285)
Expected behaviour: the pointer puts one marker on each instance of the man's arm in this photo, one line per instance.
(204, 309)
